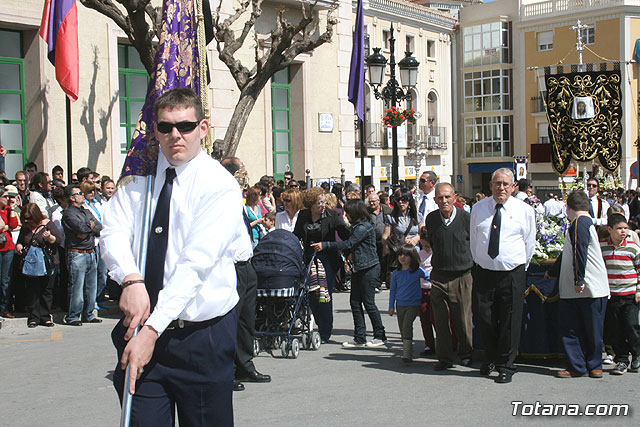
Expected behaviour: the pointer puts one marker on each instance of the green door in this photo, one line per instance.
(281, 122)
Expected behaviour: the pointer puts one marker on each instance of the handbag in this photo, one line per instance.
(395, 240)
(37, 262)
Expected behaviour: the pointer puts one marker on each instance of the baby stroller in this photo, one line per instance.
(283, 317)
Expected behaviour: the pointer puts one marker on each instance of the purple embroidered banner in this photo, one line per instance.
(176, 66)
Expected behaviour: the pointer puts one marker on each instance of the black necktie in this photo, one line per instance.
(158, 240)
(494, 235)
(591, 209)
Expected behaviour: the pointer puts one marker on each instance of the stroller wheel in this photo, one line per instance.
(295, 348)
(284, 348)
(306, 341)
(256, 347)
(315, 340)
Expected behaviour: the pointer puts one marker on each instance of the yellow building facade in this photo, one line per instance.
(541, 35)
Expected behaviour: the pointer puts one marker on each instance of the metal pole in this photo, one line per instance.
(69, 140)
(394, 130)
(362, 158)
(127, 400)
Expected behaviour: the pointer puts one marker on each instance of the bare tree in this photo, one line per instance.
(141, 22)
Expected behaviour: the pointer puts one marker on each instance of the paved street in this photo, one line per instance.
(61, 376)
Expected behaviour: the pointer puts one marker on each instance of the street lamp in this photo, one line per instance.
(392, 92)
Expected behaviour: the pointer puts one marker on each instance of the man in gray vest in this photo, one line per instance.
(448, 230)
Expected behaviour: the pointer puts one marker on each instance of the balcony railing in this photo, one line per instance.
(426, 138)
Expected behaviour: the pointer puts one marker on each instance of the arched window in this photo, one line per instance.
(432, 111)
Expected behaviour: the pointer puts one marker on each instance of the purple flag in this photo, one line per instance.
(176, 66)
(356, 75)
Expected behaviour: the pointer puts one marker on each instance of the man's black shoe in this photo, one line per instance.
(487, 368)
(504, 377)
(238, 386)
(253, 377)
(95, 320)
(441, 366)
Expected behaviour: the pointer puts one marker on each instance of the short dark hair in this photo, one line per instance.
(616, 219)
(68, 190)
(232, 164)
(325, 186)
(83, 173)
(431, 176)
(368, 186)
(57, 168)
(39, 178)
(31, 165)
(594, 180)
(271, 216)
(523, 184)
(58, 194)
(578, 201)
(357, 211)
(410, 250)
(180, 97)
(289, 174)
(57, 183)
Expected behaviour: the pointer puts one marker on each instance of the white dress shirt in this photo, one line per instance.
(517, 234)
(205, 227)
(283, 221)
(553, 207)
(430, 202)
(603, 215)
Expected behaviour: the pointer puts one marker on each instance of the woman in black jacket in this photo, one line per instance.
(318, 224)
(366, 274)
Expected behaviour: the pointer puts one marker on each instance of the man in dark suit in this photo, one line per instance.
(246, 308)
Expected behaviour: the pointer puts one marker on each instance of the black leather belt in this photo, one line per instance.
(242, 262)
(185, 324)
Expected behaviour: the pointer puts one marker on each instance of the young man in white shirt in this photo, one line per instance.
(183, 354)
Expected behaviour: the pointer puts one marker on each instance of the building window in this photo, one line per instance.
(410, 44)
(543, 133)
(133, 80)
(486, 44)
(487, 91)
(13, 135)
(488, 136)
(589, 35)
(545, 40)
(386, 35)
(281, 122)
(367, 42)
(431, 49)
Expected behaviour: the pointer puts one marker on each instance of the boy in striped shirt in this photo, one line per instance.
(622, 258)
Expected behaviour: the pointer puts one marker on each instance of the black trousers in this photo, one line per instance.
(622, 320)
(246, 310)
(191, 368)
(38, 298)
(498, 300)
(363, 293)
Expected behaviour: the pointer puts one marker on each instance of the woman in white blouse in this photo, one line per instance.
(292, 200)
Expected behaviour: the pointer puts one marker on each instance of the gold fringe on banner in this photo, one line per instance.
(536, 291)
(204, 89)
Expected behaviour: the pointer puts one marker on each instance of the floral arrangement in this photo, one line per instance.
(607, 182)
(393, 117)
(549, 237)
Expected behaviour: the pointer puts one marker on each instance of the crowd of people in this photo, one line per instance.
(454, 262)
(424, 244)
(49, 253)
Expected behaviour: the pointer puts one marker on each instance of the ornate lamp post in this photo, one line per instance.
(392, 92)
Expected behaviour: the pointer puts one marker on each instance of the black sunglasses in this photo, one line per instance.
(286, 200)
(183, 127)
